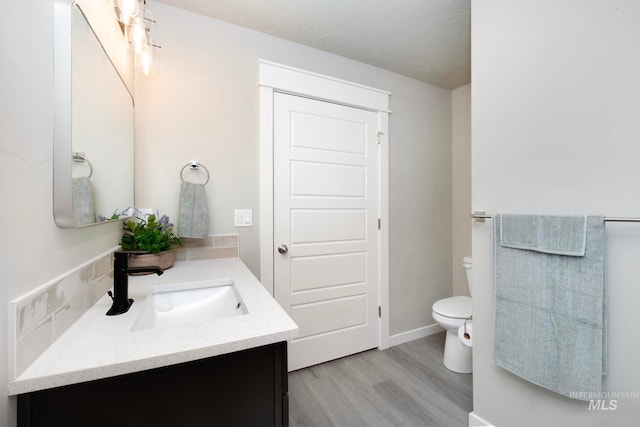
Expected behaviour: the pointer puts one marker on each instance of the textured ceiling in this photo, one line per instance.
(428, 40)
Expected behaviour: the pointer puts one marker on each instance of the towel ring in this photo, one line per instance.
(194, 166)
(79, 157)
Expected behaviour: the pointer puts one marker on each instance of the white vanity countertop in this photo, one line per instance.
(99, 346)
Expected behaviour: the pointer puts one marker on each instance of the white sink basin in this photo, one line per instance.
(181, 303)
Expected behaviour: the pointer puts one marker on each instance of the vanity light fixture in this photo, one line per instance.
(136, 26)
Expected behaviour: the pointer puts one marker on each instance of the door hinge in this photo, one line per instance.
(380, 133)
(379, 223)
(379, 311)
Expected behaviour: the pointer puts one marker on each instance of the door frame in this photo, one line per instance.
(275, 77)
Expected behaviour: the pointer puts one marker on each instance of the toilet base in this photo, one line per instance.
(457, 356)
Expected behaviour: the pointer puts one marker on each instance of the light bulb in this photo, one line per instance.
(129, 7)
(138, 36)
(145, 60)
(127, 10)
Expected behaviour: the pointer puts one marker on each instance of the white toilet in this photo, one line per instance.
(450, 313)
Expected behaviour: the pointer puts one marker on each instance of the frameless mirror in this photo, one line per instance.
(93, 125)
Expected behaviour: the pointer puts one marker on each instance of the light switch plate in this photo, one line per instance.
(243, 217)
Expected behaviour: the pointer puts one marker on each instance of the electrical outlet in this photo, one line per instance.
(243, 217)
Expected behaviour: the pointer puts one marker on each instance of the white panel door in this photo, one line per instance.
(326, 214)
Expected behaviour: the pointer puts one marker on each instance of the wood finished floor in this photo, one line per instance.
(406, 385)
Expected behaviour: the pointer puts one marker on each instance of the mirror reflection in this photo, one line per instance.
(93, 172)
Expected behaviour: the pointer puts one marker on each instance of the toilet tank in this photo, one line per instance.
(466, 263)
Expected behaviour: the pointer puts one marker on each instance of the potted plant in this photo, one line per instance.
(153, 236)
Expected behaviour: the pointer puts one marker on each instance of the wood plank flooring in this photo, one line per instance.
(406, 385)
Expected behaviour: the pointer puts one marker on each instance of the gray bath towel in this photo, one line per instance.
(550, 310)
(193, 214)
(82, 202)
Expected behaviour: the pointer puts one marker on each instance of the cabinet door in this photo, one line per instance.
(246, 388)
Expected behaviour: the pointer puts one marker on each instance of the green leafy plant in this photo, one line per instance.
(150, 235)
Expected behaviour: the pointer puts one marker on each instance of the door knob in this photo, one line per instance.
(283, 249)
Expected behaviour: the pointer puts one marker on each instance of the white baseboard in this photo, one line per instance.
(414, 334)
(476, 421)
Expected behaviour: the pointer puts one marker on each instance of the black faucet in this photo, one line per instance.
(121, 271)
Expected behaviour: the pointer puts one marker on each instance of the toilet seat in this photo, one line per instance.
(454, 307)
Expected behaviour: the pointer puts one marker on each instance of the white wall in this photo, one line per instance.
(460, 185)
(33, 249)
(556, 108)
(201, 102)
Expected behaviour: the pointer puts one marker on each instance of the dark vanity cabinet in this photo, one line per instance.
(245, 388)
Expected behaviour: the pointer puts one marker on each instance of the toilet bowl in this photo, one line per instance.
(450, 313)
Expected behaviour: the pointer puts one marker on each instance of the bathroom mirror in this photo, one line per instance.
(93, 136)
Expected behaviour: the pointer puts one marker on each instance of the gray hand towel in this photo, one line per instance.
(193, 214)
(82, 202)
(550, 311)
(552, 234)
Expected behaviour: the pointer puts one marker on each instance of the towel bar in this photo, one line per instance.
(80, 157)
(194, 165)
(482, 216)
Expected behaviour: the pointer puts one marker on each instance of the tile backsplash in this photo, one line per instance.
(39, 317)
(217, 246)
